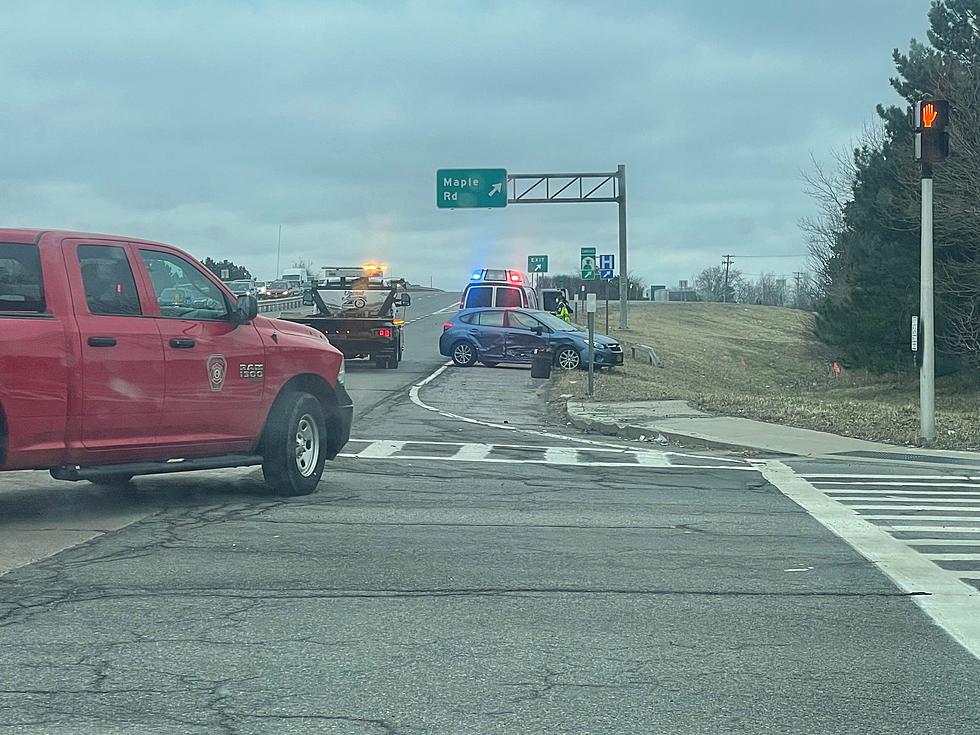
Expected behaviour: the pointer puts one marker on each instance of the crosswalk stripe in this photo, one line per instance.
(952, 557)
(901, 493)
(859, 506)
(937, 529)
(380, 449)
(818, 478)
(822, 484)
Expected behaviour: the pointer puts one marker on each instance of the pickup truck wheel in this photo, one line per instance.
(293, 452)
(463, 354)
(112, 480)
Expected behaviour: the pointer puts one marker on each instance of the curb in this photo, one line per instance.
(629, 431)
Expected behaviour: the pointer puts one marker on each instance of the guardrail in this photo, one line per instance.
(267, 306)
(645, 351)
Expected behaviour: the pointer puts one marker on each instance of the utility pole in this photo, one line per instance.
(278, 253)
(727, 262)
(799, 277)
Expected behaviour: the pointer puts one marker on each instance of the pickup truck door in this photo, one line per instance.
(122, 376)
(214, 367)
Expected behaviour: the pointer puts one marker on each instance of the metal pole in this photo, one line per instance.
(591, 349)
(927, 373)
(623, 265)
(278, 253)
(607, 307)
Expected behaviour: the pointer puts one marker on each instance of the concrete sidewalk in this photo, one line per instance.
(678, 421)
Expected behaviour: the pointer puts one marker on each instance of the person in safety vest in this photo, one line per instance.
(564, 311)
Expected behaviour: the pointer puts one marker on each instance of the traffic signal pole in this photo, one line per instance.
(927, 371)
(930, 120)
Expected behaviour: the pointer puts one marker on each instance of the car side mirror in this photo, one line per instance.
(308, 297)
(404, 300)
(538, 331)
(246, 309)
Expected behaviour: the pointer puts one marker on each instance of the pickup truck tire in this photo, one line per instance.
(293, 452)
(122, 480)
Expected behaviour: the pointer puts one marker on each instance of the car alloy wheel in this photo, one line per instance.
(568, 359)
(463, 354)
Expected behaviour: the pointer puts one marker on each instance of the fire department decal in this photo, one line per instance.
(217, 370)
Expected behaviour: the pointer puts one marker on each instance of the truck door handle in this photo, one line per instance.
(101, 341)
(182, 344)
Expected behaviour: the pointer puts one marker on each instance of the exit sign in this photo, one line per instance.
(471, 188)
(537, 263)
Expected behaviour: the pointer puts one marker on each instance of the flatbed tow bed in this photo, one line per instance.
(356, 310)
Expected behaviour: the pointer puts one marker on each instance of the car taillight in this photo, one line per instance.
(447, 326)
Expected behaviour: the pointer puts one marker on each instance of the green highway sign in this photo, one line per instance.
(588, 264)
(537, 263)
(471, 188)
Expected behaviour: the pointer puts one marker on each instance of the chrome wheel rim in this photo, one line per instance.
(568, 359)
(307, 445)
(462, 354)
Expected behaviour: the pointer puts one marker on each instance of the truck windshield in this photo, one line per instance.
(21, 287)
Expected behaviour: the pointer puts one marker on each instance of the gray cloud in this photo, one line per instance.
(209, 124)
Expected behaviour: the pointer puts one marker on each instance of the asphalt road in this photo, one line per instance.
(470, 565)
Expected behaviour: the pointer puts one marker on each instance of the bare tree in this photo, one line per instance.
(710, 283)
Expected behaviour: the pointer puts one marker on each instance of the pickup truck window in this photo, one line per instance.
(182, 291)
(21, 288)
(109, 284)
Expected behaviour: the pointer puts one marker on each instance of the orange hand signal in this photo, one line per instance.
(929, 115)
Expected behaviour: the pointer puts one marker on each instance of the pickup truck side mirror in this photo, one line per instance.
(245, 309)
(308, 297)
(404, 300)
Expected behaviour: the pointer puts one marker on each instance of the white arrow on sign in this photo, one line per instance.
(495, 189)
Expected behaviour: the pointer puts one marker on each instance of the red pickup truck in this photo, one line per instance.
(122, 357)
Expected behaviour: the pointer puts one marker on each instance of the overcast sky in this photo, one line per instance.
(208, 124)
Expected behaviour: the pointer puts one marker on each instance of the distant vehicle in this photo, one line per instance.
(279, 290)
(123, 357)
(244, 287)
(492, 336)
(498, 287)
(298, 278)
(355, 307)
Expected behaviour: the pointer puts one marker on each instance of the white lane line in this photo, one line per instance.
(898, 502)
(378, 450)
(951, 602)
(413, 394)
(561, 455)
(964, 574)
(951, 557)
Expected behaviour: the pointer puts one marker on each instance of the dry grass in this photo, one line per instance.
(762, 363)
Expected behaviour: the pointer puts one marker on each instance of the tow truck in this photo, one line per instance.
(356, 309)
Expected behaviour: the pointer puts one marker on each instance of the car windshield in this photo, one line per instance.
(279, 285)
